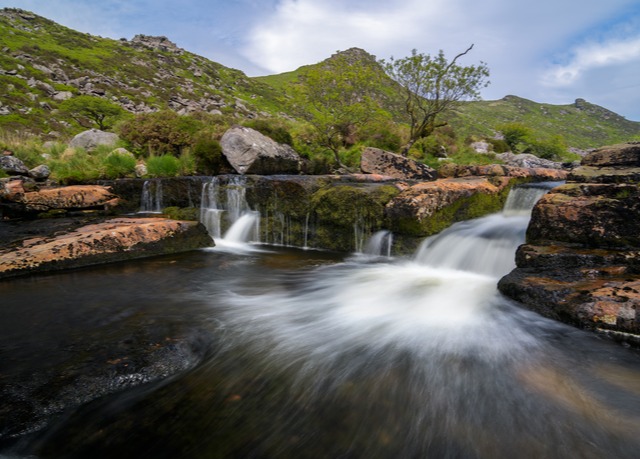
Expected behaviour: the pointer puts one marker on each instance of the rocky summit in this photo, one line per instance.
(581, 263)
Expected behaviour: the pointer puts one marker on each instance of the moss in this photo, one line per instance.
(182, 213)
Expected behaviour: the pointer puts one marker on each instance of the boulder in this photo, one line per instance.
(40, 173)
(581, 262)
(12, 165)
(377, 161)
(250, 152)
(90, 139)
(527, 160)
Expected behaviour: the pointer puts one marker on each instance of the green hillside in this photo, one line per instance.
(42, 64)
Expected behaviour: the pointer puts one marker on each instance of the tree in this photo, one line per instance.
(336, 98)
(100, 111)
(433, 86)
(515, 134)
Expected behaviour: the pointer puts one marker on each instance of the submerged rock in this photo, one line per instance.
(581, 263)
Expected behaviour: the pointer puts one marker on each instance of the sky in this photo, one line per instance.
(549, 51)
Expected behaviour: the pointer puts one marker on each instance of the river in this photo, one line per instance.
(291, 353)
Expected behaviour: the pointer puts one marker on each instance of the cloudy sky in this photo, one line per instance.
(551, 51)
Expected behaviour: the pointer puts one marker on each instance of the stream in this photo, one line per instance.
(277, 352)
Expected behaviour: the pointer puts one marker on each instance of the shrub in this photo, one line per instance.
(75, 166)
(208, 156)
(118, 165)
(160, 132)
(163, 166)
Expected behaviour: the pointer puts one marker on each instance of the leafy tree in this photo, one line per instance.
(99, 111)
(433, 86)
(336, 98)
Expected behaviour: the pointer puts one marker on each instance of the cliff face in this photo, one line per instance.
(581, 263)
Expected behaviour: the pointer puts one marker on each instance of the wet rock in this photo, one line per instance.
(250, 152)
(377, 161)
(90, 139)
(112, 240)
(429, 207)
(581, 263)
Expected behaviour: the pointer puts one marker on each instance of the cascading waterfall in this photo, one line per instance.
(379, 244)
(151, 199)
(485, 245)
(227, 207)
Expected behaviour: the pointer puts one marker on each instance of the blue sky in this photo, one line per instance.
(551, 51)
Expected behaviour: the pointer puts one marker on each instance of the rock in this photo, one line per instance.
(113, 240)
(250, 152)
(429, 207)
(77, 197)
(62, 95)
(451, 170)
(481, 147)
(581, 263)
(622, 155)
(11, 189)
(12, 165)
(92, 138)
(377, 161)
(141, 169)
(527, 160)
(40, 173)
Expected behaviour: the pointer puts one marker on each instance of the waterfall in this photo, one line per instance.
(379, 245)
(151, 199)
(226, 207)
(485, 245)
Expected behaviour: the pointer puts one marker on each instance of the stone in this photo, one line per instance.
(12, 165)
(40, 173)
(90, 139)
(76, 197)
(113, 240)
(140, 169)
(581, 260)
(621, 155)
(250, 152)
(527, 160)
(62, 95)
(377, 161)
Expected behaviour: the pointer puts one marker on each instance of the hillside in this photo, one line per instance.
(43, 63)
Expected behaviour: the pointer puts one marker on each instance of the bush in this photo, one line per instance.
(118, 165)
(163, 166)
(208, 156)
(160, 132)
(75, 166)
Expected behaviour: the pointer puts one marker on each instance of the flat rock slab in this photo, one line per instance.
(116, 239)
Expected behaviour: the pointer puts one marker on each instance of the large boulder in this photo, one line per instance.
(581, 263)
(250, 152)
(527, 160)
(90, 139)
(77, 197)
(377, 161)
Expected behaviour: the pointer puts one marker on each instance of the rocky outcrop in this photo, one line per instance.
(429, 207)
(527, 160)
(543, 174)
(250, 152)
(377, 161)
(581, 263)
(90, 139)
(112, 240)
(17, 201)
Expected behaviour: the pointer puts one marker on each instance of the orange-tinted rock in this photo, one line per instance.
(113, 240)
(69, 197)
(377, 161)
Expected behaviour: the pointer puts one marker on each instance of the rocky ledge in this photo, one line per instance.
(581, 263)
(115, 239)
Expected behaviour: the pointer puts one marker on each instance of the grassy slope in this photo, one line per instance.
(155, 78)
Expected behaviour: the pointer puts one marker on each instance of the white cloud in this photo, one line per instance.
(592, 56)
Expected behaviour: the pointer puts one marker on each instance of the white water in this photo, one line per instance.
(230, 209)
(379, 244)
(151, 199)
